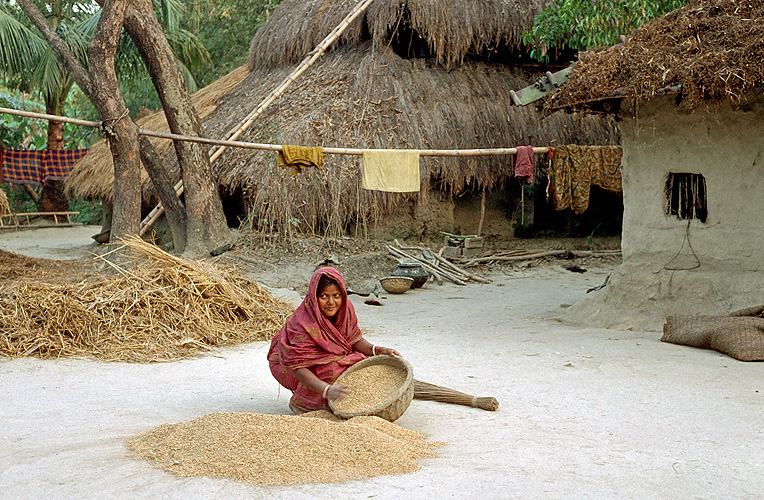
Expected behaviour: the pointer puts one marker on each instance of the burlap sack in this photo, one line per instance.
(740, 334)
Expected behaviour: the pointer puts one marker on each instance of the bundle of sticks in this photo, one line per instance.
(435, 264)
(431, 392)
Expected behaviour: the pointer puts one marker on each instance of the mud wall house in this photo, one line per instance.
(688, 89)
(417, 74)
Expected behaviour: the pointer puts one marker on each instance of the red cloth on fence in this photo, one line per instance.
(310, 340)
(524, 164)
(35, 167)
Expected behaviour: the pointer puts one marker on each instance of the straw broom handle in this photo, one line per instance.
(431, 392)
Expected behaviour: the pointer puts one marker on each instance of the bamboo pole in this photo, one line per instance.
(482, 214)
(267, 147)
(304, 65)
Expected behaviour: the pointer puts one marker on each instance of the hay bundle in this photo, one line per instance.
(5, 207)
(162, 309)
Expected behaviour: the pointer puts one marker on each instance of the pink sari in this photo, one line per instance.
(310, 340)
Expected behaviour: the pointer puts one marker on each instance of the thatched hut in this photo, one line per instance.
(415, 74)
(688, 89)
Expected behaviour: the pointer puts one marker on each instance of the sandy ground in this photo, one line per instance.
(585, 413)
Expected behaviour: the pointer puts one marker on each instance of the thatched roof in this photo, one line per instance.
(706, 51)
(93, 176)
(367, 97)
(363, 94)
(450, 28)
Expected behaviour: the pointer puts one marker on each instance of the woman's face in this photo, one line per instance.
(330, 301)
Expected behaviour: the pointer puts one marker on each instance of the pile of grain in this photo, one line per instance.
(369, 387)
(164, 308)
(283, 449)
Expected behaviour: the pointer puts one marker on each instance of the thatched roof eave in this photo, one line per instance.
(710, 50)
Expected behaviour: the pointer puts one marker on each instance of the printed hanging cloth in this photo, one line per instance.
(37, 166)
(393, 171)
(310, 340)
(574, 169)
(58, 163)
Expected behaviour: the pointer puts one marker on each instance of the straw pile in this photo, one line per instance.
(5, 207)
(370, 387)
(164, 308)
(283, 449)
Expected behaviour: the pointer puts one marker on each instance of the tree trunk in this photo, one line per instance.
(206, 226)
(102, 89)
(174, 209)
(121, 132)
(52, 198)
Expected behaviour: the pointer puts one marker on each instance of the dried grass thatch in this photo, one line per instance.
(363, 94)
(93, 176)
(451, 29)
(711, 48)
(367, 97)
(165, 308)
(5, 207)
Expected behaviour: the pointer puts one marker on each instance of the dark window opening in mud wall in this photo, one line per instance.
(406, 42)
(233, 207)
(686, 196)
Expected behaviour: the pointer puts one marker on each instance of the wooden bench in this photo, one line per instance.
(23, 219)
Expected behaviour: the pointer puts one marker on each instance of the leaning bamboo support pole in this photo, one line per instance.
(275, 94)
(304, 65)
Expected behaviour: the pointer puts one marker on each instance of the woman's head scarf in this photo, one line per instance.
(309, 338)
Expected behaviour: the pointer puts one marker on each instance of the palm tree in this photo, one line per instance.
(27, 62)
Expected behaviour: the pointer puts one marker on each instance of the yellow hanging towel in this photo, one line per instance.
(299, 157)
(395, 171)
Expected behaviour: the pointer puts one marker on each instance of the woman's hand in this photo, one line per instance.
(337, 392)
(386, 350)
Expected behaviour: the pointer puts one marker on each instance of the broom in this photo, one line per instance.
(432, 392)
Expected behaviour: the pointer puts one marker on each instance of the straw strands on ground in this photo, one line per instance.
(283, 449)
(162, 309)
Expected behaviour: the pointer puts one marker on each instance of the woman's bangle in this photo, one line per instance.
(326, 390)
(373, 350)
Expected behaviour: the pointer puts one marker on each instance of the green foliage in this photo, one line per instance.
(18, 198)
(583, 24)
(90, 212)
(226, 28)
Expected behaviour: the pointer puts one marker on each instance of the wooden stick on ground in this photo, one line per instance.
(427, 265)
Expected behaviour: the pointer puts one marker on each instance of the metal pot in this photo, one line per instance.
(412, 270)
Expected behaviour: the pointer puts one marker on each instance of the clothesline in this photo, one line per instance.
(267, 147)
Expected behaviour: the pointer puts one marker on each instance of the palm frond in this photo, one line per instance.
(19, 46)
